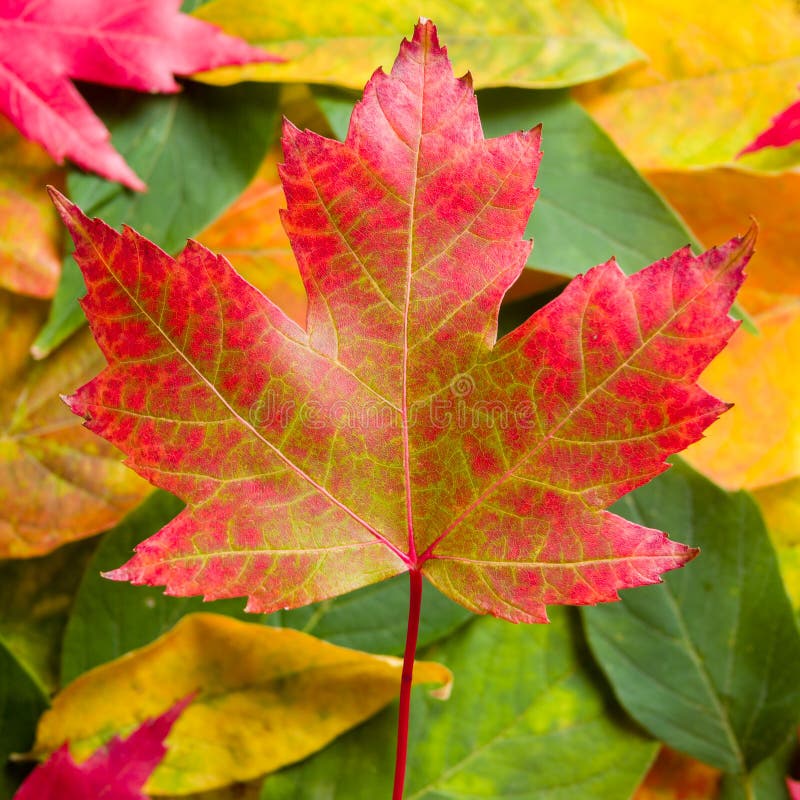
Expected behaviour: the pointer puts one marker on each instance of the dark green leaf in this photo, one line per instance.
(35, 603)
(374, 618)
(21, 703)
(196, 150)
(708, 661)
(528, 718)
(767, 781)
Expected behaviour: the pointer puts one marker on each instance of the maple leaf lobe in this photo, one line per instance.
(394, 432)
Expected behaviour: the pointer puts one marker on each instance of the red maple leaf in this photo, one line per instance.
(394, 433)
(118, 769)
(135, 44)
(783, 131)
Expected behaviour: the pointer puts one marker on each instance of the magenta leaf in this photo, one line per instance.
(135, 44)
(784, 130)
(116, 771)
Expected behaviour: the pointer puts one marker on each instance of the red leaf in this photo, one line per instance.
(784, 130)
(393, 433)
(135, 44)
(118, 769)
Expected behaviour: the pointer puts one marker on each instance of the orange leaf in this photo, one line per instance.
(757, 444)
(716, 201)
(29, 236)
(58, 482)
(675, 776)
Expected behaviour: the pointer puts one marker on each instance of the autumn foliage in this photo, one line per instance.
(394, 389)
(405, 255)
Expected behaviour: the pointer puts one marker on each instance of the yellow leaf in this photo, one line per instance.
(718, 72)
(716, 202)
(789, 561)
(29, 230)
(58, 482)
(266, 697)
(531, 43)
(236, 791)
(757, 443)
(780, 505)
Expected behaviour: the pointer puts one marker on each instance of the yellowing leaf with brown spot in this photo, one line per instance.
(250, 235)
(716, 201)
(266, 697)
(717, 72)
(757, 443)
(676, 776)
(531, 43)
(29, 232)
(58, 482)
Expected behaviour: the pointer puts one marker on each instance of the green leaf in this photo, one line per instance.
(592, 203)
(110, 618)
(374, 618)
(767, 781)
(21, 703)
(35, 604)
(528, 718)
(707, 662)
(196, 150)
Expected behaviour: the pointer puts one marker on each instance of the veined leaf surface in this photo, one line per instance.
(394, 432)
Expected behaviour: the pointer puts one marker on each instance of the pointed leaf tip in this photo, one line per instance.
(62, 204)
(751, 235)
(119, 574)
(425, 33)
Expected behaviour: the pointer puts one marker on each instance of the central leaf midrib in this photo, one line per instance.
(412, 203)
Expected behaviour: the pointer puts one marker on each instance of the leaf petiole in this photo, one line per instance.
(414, 608)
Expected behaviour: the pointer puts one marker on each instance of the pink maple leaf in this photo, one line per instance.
(135, 44)
(118, 770)
(784, 130)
